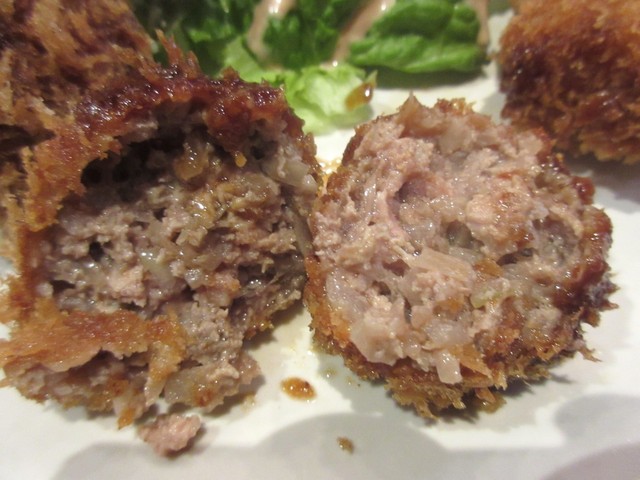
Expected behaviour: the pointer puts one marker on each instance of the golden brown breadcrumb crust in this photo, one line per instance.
(72, 347)
(101, 117)
(572, 67)
(52, 52)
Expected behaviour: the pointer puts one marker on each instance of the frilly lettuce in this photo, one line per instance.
(318, 94)
(322, 95)
(422, 36)
(202, 26)
(308, 33)
(414, 36)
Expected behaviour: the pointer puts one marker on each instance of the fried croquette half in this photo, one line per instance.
(161, 230)
(452, 256)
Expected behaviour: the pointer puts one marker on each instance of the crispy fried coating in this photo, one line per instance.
(146, 251)
(572, 68)
(52, 52)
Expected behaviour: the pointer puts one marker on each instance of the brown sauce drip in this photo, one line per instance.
(346, 444)
(361, 95)
(298, 388)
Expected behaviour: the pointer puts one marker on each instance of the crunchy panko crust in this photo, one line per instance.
(52, 52)
(63, 354)
(235, 107)
(580, 295)
(572, 67)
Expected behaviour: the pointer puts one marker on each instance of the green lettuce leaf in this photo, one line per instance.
(422, 36)
(320, 96)
(202, 26)
(308, 33)
(237, 56)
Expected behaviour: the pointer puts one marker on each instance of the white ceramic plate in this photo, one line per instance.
(583, 423)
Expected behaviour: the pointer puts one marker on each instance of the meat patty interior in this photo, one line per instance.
(176, 225)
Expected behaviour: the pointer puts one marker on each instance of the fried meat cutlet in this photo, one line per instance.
(158, 231)
(452, 256)
(572, 67)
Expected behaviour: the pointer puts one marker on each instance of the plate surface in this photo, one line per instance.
(582, 423)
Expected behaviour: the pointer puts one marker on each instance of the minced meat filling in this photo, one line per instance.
(442, 233)
(175, 225)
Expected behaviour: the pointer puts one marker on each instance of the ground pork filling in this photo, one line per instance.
(176, 226)
(442, 236)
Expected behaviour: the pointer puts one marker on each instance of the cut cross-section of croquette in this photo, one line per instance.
(452, 256)
(157, 232)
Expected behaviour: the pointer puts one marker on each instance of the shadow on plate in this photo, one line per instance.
(397, 80)
(600, 434)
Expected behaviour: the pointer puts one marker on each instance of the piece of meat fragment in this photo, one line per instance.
(452, 256)
(170, 433)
